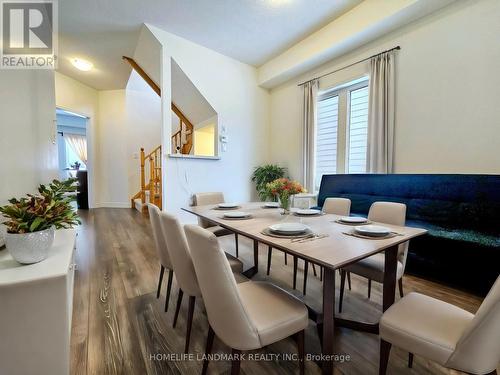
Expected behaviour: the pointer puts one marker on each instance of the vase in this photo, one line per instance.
(285, 203)
(3, 231)
(28, 248)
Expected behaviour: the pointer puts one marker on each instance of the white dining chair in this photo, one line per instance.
(202, 199)
(184, 269)
(444, 333)
(244, 316)
(162, 251)
(337, 206)
(373, 267)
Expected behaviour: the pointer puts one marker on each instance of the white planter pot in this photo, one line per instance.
(29, 248)
(3, 231)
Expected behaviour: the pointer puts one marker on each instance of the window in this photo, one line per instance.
(358, 130)
(342, 130)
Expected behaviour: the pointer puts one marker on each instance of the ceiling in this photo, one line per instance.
(251, 31)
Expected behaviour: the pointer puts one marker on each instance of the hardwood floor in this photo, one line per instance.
(119, 327)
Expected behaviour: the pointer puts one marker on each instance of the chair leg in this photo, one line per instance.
(162, 270)
(349, 280)
(169, 288)
(385, 350)
(342, 287)
(306, 272)
(208, 349)
(235, 363)
(295, 260)
(269, 256)
(192, 300)
(314, 270)
(300, 349)
(410, 360)
(286, 259)
(400, 284)
(369, 288)
(178, 307)
(237, 245)
(321, 274)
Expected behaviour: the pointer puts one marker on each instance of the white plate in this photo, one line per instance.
(308, 211)
(372, 230)
(236, 214)
(228, 205)
(353, 219)
(271, 204)
(289, 228)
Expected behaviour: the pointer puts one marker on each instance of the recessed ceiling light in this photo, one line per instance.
(278, 2)
(82, 65)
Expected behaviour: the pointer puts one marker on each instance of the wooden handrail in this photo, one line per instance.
(153, 152)
(183, 118)
(143, 74)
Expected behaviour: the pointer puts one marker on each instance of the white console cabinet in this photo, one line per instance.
(36, 303)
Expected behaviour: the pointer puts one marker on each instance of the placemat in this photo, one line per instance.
(236, 218)
(226, 209)
(351, 224)
(302, 215)
(390, 235)
(268, 232)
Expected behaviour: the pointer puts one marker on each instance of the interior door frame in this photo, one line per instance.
(89, 131)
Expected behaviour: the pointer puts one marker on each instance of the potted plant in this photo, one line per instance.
(284, 189)
(33, 219)
(265, 174)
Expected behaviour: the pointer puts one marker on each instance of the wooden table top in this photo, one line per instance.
(334, 251)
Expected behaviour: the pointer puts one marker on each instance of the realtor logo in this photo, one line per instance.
(29, 31)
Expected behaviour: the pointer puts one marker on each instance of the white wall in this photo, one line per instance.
(242, 107)
(28, 154)
(121, 122)
(447, 94)
(143, 108)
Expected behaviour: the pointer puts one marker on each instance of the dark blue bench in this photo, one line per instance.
(460, 212)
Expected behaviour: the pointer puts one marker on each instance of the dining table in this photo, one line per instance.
(332, 245)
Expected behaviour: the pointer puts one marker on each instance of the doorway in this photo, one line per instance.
(72, 148)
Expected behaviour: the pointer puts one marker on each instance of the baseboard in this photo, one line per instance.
(113, 205)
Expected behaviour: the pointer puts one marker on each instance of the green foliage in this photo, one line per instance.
(265, 174)
(52, 207)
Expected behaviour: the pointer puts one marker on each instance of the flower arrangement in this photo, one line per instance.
(283, 188)
(50, 208)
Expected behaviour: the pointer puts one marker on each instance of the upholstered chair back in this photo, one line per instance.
(394, 214)
(225, 310)
(202, 199)
(337, 206)
(160, 243)
(478, 350)
(179, 254)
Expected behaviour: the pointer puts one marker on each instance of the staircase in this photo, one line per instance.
(182, 143)
(182, 140)
(151, 191)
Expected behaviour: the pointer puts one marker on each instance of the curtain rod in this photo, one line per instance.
(348, 66)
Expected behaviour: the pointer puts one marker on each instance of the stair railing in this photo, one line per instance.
(152, 175)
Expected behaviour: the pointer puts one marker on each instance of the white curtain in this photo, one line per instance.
(309, 132)
(380, 154)
(78, 144)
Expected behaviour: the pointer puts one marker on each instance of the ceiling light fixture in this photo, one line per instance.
(82, 65)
